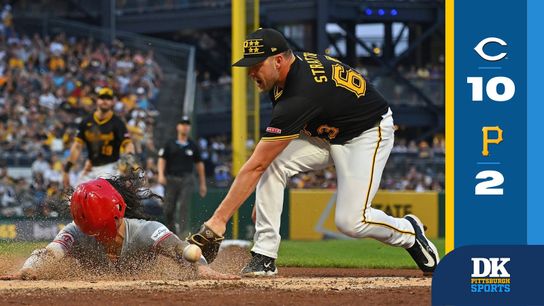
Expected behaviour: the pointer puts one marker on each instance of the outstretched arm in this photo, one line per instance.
(183, 252)
(75, 151)
(40, 258)
(245, 182)
(174, 248)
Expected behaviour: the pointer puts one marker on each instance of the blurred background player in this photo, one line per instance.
(109, 234)
(105, 136)
(177, 161)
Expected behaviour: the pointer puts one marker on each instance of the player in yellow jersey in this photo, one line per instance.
(104, 135)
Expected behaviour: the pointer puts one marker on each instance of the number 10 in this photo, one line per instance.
(491, 88)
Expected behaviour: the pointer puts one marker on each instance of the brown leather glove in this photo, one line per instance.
(208, 241)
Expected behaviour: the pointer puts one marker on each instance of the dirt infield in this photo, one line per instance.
(170, 285)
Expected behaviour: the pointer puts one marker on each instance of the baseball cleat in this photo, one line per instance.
(423, 251)
(260, 265)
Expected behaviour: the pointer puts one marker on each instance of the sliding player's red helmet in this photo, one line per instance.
(95, 205)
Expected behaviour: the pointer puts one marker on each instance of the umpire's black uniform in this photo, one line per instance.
(180, 160)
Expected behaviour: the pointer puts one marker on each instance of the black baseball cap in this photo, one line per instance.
(105, 93)
(184, 120)
(261, 44)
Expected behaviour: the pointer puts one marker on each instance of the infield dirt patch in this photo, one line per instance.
(168, 284)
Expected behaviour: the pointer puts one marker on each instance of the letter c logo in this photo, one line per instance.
(492, 58)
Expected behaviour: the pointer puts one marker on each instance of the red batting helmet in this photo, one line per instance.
(95, 205)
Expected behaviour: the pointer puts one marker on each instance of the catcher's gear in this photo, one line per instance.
(208, 241)
(127, 163)
(95, 205)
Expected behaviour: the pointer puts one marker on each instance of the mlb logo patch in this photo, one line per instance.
(273, 130)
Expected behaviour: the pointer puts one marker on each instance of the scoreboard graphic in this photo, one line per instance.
(494, 202)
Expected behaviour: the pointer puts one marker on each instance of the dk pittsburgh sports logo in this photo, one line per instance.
(490, 275)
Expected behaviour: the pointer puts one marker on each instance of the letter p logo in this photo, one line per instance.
(486, 140)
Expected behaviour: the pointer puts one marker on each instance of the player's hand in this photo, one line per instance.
(28, 274)
(10, 276)
(203, 190)
(162, 180)
(88, 166)
(127, 164)
(205, 272)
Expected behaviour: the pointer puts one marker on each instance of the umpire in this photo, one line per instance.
(177, 160)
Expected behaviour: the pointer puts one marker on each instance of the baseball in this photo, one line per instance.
(192, 253)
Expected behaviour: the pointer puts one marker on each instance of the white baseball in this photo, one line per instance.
(192, 253)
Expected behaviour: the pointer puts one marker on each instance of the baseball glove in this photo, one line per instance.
(208, 241)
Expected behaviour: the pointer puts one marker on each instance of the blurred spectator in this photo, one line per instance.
(224, 80)
(413, 167)
(39, 166)
(222, 176)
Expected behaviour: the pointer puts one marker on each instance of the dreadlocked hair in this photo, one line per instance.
(133, 188)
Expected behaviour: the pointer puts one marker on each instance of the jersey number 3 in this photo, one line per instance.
(349, 79)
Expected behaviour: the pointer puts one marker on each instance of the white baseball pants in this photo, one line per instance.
(104, 171)
(359, 166)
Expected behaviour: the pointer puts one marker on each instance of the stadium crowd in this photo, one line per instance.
(47, 85)
(411, 167)
(214, 93)
(416, 166)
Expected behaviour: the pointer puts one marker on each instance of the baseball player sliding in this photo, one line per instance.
(324, 112)
(101, 237)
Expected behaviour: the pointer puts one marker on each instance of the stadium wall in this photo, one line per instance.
(308, 214)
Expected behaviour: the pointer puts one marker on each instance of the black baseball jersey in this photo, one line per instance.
(326, 98)
(180, 157)
(103, 138)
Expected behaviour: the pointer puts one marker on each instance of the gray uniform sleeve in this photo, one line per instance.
(149, 234)
(154, 236)
(55, 250)
(68, 236)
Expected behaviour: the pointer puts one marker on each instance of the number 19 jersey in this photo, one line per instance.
(103, 138)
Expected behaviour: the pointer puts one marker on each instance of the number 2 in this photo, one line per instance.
(489, 187)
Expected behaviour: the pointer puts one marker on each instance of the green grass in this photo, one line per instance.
(20, 249)
(365, 253)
